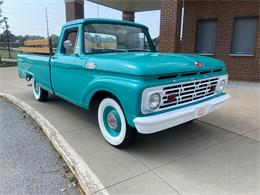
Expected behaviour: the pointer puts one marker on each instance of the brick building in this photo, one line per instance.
(225, 29)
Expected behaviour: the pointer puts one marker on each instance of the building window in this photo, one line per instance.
(244, 36)
(206, 36)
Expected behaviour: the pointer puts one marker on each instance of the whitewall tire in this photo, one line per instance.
(112, 123)
(39, 93)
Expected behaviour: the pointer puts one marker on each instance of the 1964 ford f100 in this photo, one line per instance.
(114, 64)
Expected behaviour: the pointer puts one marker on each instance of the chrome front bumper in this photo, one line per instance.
(155, 123)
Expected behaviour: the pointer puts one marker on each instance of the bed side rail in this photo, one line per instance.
(40, 46)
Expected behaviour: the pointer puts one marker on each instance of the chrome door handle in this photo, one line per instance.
(54, 57)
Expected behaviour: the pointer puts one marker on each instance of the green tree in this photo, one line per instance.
(54, 40)
(1, 2)
(1, 16)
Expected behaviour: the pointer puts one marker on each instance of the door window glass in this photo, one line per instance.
(72, 36)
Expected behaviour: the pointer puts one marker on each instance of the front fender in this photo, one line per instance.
(127, 91)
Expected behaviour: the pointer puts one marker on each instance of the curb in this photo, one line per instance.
(88, 181)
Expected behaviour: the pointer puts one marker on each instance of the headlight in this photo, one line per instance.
(222, 85)
(154, 101)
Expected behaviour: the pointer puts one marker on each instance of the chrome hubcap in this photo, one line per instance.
(112, 120)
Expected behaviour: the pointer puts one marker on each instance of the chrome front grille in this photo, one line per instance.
(188, 92)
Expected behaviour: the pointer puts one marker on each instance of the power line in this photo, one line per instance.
(16, 12)
(49, 2)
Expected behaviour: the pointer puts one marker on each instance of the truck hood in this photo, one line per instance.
(152, 63)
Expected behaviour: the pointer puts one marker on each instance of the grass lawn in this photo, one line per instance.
(4, 53)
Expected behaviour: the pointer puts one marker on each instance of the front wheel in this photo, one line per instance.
(39, 93)
(112, 123)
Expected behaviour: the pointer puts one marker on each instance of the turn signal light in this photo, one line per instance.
(212, 88)
(171, 98)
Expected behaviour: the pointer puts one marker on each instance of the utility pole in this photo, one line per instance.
(182, 19)
(47, 23)
(97, 10)
(5, 19)
(1, 21)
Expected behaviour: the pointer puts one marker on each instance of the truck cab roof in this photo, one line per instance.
(103, 20)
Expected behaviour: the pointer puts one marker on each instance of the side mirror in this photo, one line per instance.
(67, 44)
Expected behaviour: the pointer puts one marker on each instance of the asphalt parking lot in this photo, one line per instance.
(28, 163)
(218, 154)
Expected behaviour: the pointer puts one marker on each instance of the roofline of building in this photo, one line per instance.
(130, 5)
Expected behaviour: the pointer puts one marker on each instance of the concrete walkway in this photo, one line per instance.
(218, 154)
(9, 60)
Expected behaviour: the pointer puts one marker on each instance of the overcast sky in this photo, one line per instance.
(28, 16)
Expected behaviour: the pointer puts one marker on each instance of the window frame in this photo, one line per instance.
(231, 53)
(197, 33)
(144, 29)
(65, 35)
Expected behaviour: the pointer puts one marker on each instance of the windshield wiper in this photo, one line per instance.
(144, 50)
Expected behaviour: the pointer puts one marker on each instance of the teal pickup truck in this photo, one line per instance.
(114, 65)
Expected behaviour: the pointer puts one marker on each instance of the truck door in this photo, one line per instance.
(63, 64)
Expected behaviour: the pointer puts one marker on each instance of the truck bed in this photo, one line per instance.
(35, 65)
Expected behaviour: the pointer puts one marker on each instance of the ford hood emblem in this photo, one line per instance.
(199, 64)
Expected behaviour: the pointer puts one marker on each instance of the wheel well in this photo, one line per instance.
(28, 77)
(98, 97)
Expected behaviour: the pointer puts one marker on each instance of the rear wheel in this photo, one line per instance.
(112, 123)
(39, 93)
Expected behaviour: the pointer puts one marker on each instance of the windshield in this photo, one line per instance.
(115, 37)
